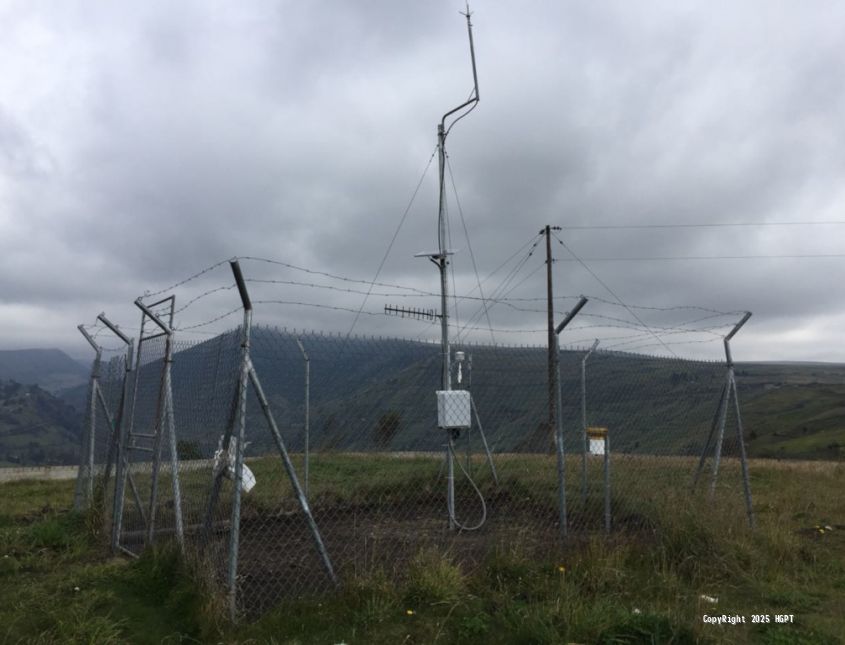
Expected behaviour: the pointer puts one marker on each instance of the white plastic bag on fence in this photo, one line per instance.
(224, 461)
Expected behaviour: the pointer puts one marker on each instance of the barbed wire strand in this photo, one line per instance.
(613, 293)
(500, 290)
(148, 294)
(392, 241)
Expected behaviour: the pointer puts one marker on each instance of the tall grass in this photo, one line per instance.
(692, 556)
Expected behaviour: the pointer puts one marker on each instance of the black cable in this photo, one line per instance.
(611, 292)
(606, 227)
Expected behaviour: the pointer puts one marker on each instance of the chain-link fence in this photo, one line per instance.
(370, 467)
(99, 441)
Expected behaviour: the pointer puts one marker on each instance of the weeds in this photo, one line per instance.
(58, 584)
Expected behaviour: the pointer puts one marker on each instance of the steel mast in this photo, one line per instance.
(441, 259)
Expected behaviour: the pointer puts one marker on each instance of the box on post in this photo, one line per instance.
(454, 409)
(598, 440)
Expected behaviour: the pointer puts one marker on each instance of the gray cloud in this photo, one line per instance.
(141, 142)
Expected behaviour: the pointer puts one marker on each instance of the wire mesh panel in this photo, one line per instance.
(99, 442)
(649, 417)
(146, 500)
(205, 379)
(364, 473)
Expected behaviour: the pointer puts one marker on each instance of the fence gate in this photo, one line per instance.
(148, 463)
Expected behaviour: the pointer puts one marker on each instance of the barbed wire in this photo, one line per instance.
(661, 327)
(673, 343)
(316, 305)
(669, 308)
(98, 328)
(494, 298)
(201, 296)
(372, 282)
(148, 294)
(611, 292)
(211, 321)
(332, 275)
(665, 331)
(532, 244)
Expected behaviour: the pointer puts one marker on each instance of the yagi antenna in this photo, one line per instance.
(411, 312)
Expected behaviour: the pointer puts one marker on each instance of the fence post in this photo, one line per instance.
(728, 390)
(561, 457)
(307, 409)
(248, 374)
(584, 421)
(84, 493)
(164, 423)
(116, 452)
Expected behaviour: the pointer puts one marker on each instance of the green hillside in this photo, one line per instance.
(652, 406)
(36, 427)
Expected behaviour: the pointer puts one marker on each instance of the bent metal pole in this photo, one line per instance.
(561, 457)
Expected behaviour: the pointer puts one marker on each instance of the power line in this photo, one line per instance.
(611, 227)
(672, 258)
(505, 283)
(611, 292)
(392, 240)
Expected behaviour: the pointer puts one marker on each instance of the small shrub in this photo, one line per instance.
(433, 578)
(59, 533)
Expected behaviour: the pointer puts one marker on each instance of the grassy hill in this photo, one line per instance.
(656, 406)
(36, 427)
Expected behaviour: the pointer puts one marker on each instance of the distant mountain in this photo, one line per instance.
(50, 369)
(36, 427)
(378, 394)
(373, 393)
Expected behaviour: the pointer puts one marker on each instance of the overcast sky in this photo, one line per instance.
(141, 142)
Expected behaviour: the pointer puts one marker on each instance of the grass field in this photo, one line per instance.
(687, 558)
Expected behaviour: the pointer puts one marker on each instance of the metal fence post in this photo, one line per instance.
(164, 423)
(561, 456)
(84, 493)
(746, 481)
(607, 482)
(126, 474)
(235, 522)
(247, 372)
(307, 409)
(584, 421)
(116, 453)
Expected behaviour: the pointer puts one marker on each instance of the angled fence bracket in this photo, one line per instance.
(561, 461)
(717, 428)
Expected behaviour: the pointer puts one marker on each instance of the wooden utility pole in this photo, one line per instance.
(547, 231)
